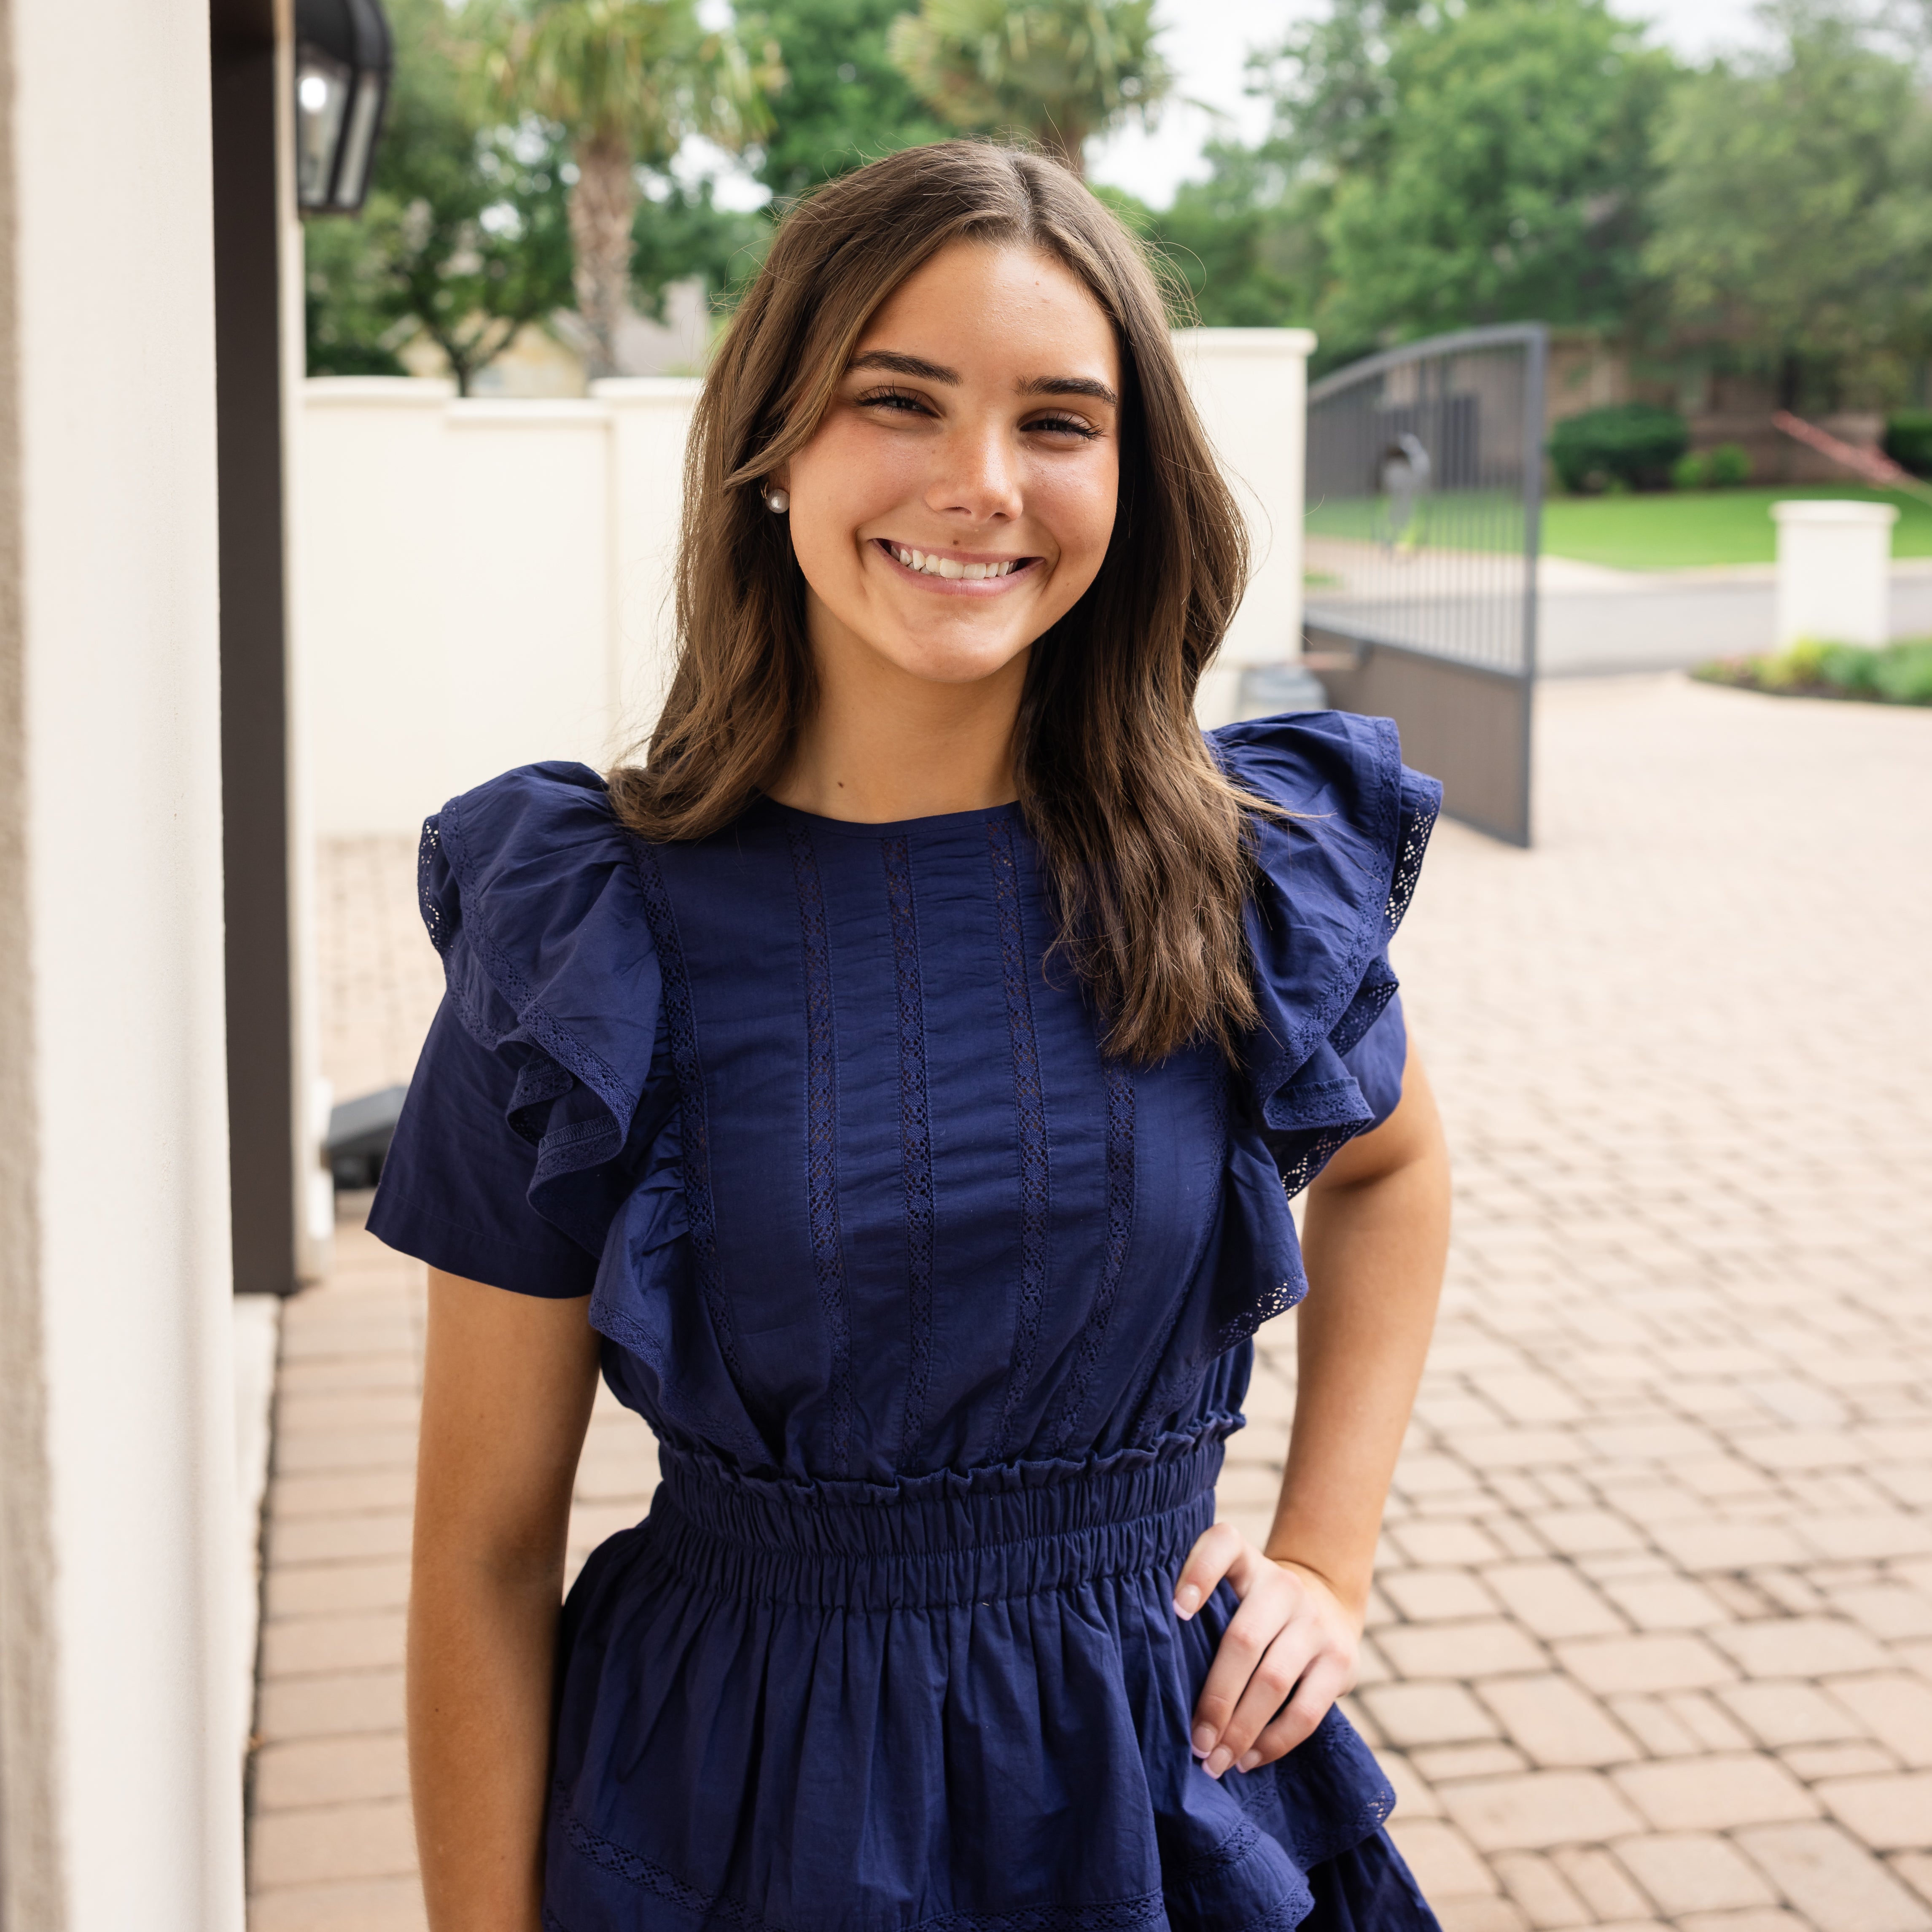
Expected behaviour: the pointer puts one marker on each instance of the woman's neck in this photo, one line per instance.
(883, 744)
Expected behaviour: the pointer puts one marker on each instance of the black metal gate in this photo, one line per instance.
(1425, 490)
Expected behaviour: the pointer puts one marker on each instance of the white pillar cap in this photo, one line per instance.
(1833, 510)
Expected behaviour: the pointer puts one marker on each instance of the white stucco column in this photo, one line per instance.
(120, 1793)
(1833, 571)
(1251, 387)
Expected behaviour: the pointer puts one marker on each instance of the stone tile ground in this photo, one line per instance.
(1652, 1639)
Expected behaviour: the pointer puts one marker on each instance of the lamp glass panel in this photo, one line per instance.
(322, 101)
(359, 143)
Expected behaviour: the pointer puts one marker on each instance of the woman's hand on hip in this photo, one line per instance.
(1289, 1651)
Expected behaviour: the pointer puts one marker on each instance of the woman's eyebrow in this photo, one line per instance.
(905, 365)
(898, 364)
(1068, 385)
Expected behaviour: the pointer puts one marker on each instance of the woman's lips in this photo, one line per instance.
(1022, 570)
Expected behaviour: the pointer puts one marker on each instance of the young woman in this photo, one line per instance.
(896, 1085)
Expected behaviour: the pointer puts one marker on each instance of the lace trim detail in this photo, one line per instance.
(1417, 823)
(1312, 1160)
(1119, 1231)
(1115, 1915)
(821, 1143)
(1030, 1105)
(694, 1127)
(915, 1138)
(431, 844)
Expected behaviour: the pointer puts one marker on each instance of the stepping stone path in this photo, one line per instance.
(1652, 1643)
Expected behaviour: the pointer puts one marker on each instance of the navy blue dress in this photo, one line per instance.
(941, 1320)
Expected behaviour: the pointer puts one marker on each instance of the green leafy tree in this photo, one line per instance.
(1242, 242)
(627, 81)
(1060, 71)
(682, 232)
(1794, 218)
(1249, 240)
(464, 238)
(1503, 173)
(842, 102)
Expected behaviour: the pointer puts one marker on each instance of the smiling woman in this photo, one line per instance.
(897, 1083)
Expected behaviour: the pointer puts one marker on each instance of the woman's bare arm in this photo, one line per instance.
(1375, 1240)
(508, 1382)
(1376, 1236)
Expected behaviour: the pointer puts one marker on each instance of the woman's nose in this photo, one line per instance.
(978, 478)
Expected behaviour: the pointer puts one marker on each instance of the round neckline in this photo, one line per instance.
(886, 828)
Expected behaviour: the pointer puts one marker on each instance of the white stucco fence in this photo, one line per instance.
(480, 583)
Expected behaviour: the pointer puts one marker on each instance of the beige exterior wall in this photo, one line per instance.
(119, 1787)
(481, 583)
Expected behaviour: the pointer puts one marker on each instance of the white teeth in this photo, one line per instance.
(950, 567)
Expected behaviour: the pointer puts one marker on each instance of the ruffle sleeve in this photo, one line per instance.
(529, 890)
(1332, 883)
(1323, 1062)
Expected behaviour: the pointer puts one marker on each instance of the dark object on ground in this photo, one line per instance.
(1900, 673)
(359, 1132)
(1633, 445)
(1908, 440)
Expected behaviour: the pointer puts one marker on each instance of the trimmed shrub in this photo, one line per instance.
(1635, 445)
(1898, 674)
(1729, 465)
(1908, 440)
(1691, 472)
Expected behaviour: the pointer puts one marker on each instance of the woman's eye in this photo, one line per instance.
(1064, 426)
(893, 399)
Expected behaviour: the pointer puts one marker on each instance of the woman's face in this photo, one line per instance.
(958, 499)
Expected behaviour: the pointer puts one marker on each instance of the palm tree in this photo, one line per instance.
(1059, 70)
(627, 80)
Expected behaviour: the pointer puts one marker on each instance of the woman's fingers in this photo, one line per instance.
(1324, 1680)
(1264, 1611)
(1279, 1668)
(1216, 1552)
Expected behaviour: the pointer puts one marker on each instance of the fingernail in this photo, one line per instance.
(1219, 1761)
(1249, 1763)
(1203, 1740)
(1186, 1600)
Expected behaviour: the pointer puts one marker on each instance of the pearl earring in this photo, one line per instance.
(777, 501)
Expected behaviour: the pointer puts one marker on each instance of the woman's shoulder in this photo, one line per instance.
(1334, 868)
(531, 890)
(1338, 767)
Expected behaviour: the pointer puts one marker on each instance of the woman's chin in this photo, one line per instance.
(953, 665)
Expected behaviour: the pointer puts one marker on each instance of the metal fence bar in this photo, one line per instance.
(1425, 497)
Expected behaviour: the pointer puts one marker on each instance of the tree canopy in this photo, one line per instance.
(841, 102)
(1794, 212)
(463, 238)
(1059, 71)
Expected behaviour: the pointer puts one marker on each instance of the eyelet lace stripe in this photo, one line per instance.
(681, 1026)
(1120, 1231)
(1417, 822)
(915, 1138)
(1115, 1915)
(430, 844)
(1030, 1106)
(821, 1145)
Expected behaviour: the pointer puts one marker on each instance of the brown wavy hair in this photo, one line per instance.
(1144, 844)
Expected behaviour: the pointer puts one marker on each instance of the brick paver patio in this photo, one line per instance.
(1652, 1644)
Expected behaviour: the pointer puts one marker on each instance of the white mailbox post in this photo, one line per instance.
(1833, 571)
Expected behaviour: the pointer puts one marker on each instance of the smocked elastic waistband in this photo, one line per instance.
(931, 1541)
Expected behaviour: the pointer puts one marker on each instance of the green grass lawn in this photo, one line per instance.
(1673, 530)
(1677, 529)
